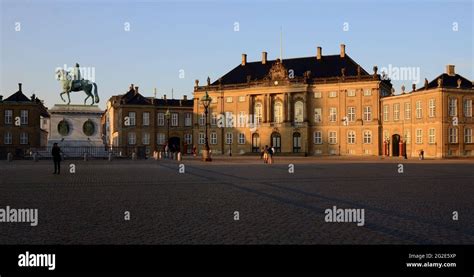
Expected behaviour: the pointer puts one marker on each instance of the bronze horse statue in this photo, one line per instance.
(69, 84)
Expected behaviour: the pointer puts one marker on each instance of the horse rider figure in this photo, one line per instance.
(76, 82)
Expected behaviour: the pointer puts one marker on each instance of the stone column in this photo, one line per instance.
(270, 109)
(285, 107)
(290, 107)
(264, 107)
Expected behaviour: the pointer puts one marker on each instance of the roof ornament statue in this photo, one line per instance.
(413, 86)
(208, 81)
(440, 82)
(426, 83)
(459, 81)
(403, 89)
(196, 83)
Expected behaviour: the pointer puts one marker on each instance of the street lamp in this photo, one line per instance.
(206, 100)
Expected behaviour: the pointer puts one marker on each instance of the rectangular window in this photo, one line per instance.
(160, 139)
(188, 119)
(468, 108)
(317, 115)
(419, 136)
(8, 116)
(202, 138)
(332, 137)
(23, 138)
(228, 99)
(432, 136)
(367, 113)
(213, 138)
(132, 138)
(333, 94)
(351, 137)
(385, 112)
(333, 114)
(407, 110)
(407, 135)
(367, 137)
(241, 98)
(146, 119)
(432, 108)
(419, 111)
(132, 118)
(351, 93)
(453, 107)
(317, 94)
(202, 119)
(188, 139)
(174, 119)
(160, 119)
(396, 111)
(8, 138)
(242, 119)
(146, 138)
(453, 135)
(241, 138)
(24, 117)
(214, 119)
(228, 138)
(367, 92)
(318, 137)
(351, 114)
(468, 135)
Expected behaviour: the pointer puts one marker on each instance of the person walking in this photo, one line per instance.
(270, 155)
(265, 154)
(56, 153)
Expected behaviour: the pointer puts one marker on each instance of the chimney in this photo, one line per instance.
(19, 86)
(131, 87)
(164, 96)
(244, 59)
(343, 50)
(1, 98)
(136, 90)
(264, 57)
(450, 70)
(185, 97)
(319, 53)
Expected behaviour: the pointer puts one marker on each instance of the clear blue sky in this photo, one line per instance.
(199, 37)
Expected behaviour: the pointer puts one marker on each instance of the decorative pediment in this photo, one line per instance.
(277, 72)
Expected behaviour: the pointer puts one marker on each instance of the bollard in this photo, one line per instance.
(110, 157)
(159, 155)
(9, 157)
(85, 157)
(35, 157)
(134, 156)
(179, 156)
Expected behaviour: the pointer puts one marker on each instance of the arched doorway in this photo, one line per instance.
(255, 143)
(174, 144)
(276, 141)
(296, 142)
(396, 145)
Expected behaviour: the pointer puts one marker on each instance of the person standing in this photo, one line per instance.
(56, 153)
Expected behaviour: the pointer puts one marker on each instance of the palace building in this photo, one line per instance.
(436, 118)
(146, 124)
(318, 105)
(23, 124)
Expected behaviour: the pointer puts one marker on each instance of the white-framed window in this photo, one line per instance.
(8, 138)
(351, 137)
(188, 119)
(8, 116)
(213, 138)
(333, 94)
(228, 138)
(453, 107)
(202, 119)
(385, 112)
(317, 94)
(467, 135)
(160, 119)
(431, 136)
(132, 117)
(351, 114)
(214, 119)
(419, 136)
(202, 138)
(241, 138)
(419, 111)
(229, 119)
(351, 93)
(368, 113)
(318, 116)
(146, 118)
(258, 112)
(214, 100)
(367, 137)
(132, 138)
(241, 119)
(332, 114)
(299, 111)
(332, 137)
(188, 139)
(23, 138)
(396, 111)
(453, 135)
(407, 135)
(407, 110)
(432, 108)
(160, 139)
(318, 137)
(146, 138)
(24, 117)
(242, 98)
(278, 112)
(367, 92)
(228, 99)
(468, 107)
(174, 119)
